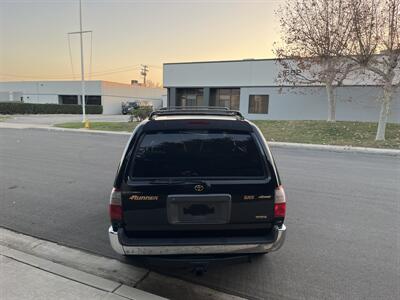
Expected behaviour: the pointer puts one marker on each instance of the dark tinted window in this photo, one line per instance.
(93, 100)
(189, 97)
(197, 154)
(258, 104)
(229, 98)
(68, 99)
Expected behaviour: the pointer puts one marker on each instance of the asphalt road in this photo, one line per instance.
(343, 216)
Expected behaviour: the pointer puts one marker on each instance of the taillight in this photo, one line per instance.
(280, 202)
(115, 208)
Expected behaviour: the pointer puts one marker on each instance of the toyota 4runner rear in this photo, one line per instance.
(197, 181)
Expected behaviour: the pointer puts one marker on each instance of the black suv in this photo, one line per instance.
(197, 181)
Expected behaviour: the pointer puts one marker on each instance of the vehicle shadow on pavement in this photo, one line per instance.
(196, 266)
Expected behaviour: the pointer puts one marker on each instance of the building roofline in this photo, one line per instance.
(101, 82)
(221, 61)
(55, 81)
(238, 60)
(267, 86)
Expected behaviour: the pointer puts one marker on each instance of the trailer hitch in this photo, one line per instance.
(200, 268)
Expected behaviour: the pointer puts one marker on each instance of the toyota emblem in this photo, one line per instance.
(199, 188)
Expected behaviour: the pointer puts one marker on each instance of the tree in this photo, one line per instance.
(153, 84)
(376, 26)
(316, 35)
(140, 113)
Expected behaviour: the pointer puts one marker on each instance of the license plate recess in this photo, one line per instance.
(199, 209)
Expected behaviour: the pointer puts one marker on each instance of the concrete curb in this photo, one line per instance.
(100, 272)
(342, 149)
(390, 152)
(51, 128)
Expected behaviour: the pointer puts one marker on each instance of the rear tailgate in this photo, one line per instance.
(221, 206)
(197, 179)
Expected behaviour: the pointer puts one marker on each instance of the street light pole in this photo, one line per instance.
(82, 65)
(83, 91)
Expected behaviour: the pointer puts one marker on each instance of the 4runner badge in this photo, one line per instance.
(143, 198)
(199, 188)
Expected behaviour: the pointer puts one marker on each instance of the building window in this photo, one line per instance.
(73, 99)
(189, 97)
(93, 100)
(258, 104)
(68, 99)
(229, 98)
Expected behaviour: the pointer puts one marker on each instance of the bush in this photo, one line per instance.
(140, 113)
(11, 108)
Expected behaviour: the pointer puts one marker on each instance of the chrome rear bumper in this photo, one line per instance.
(243, 248)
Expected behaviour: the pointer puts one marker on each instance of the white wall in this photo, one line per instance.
(6, 96)
(51, 87)
(48, 91)
(164, 101)
(113, 94)
(357, 101)
(353, 104)
(116, 93)
(42, 99)
(244, 73)
(113, 105)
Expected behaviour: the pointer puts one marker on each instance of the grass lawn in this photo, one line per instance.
(3, 118)
(357, 134)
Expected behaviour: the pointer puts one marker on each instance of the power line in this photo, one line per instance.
(68, 76)
(154, 66)
(70, 57)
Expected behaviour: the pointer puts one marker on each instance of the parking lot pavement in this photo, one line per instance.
(55, 119)
(342, 211)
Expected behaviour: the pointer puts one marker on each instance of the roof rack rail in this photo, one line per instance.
(196, 111)
(194, 108)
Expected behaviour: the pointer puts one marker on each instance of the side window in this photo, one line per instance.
(93, 100)
(258, 104)
(67, 99)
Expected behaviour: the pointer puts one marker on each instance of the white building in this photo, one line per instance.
(251, 87)
(108, 94)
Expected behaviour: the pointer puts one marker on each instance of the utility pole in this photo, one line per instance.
(143, 72)
(83, 92)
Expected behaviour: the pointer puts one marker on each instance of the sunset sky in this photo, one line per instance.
(127, 33)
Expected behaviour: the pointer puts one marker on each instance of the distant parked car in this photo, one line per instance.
(197, 181)
(127, 107)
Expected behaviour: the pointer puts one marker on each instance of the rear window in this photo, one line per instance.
(197, 154)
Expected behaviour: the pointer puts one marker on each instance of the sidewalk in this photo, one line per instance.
(24, 276)
(51, 119)
(32, 268)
